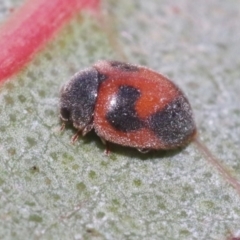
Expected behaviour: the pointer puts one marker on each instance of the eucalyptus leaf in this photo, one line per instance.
(52, 189)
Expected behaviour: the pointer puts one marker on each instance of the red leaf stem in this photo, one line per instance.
(31, 26)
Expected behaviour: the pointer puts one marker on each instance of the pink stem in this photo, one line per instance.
(31, 27)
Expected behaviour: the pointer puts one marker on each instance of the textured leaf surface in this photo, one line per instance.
(50, 188)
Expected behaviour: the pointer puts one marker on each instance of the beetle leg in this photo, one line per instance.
(103, 141)
(143, 150)
(62, 127)
(107, 149)
(76, 136)
(87, 129)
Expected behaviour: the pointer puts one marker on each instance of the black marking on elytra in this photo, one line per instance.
(174, 124)
(122, 114)
(78, 98)
(124, 66)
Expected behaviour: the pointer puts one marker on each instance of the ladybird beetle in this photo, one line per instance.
(128, 105)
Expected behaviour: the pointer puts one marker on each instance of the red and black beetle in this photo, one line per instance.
(128, 105)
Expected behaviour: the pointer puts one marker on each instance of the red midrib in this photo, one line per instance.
(31, 27)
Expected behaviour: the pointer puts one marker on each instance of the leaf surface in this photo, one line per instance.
(53, 189)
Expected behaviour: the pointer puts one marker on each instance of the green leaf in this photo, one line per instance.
(52, 189)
